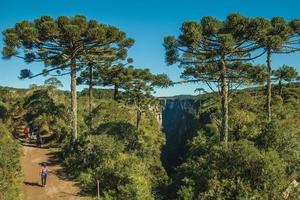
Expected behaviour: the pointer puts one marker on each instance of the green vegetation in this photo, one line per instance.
(10, 169)
(285, 74)
(216, 52)
(64, 44)
(124, 159)
(227, 144)
(259, 162)
(232, 145)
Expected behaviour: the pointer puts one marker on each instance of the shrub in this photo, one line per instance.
(235, 171)
(101, 157)
(3, 110)
(10, 175)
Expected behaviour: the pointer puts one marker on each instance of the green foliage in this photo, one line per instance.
(124, 159)
(285, 74)
(218, 149)
(98, 93)
(237, 170)
(46, 112)
(3, 110)
(110, 73)
(53, 82)
(65, 43)
(277, 32)
(10, 170)
(47, 39)
(214, 52)
(247, 114)
(138, 90)
(261, 160)
(121, 175)
(276, 137)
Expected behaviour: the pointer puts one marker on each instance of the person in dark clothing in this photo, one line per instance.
(39, 140)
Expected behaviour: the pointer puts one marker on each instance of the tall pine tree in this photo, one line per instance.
(211, 51)
(61, 45)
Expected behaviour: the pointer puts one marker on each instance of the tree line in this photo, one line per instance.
(219, 52)
(211, 51)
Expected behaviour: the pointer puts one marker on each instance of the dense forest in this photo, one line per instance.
(237, 139)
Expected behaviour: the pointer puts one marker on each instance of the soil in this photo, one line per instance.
(58, 185)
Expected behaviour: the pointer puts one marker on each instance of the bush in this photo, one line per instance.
(101, 157)
(118, 121)
(237, 171)
(124, 159)
(10, 176)
(277, 137)
(3, 110)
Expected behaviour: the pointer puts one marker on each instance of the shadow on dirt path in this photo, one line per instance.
(58, 186)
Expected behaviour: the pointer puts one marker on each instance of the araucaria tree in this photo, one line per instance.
(61, 44)
(277, 36)
(115, 74)
(139, 88)
(285, 73)
(97, 66)
(212, 51)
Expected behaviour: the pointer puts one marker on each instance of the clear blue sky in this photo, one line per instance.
(147, 21)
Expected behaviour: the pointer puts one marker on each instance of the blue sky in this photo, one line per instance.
(147, 21)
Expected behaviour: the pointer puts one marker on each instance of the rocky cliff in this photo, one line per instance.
(179, 123)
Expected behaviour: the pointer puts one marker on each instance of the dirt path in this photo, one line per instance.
(58, 187)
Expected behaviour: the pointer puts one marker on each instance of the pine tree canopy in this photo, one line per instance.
(58, 41)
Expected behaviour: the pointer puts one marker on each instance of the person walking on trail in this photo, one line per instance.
(44, 174)
(39, 140)
(26, 132)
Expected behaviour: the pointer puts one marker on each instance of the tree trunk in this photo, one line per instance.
(138, 118)
(224, 103)
(74, 100)
(138, 114)
(269, 85)
(116, 92)
(280, 89)
(90, 95)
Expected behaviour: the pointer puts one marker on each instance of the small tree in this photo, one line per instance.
(285, 73)
(116, 75)
(99, 65)
(61, 44)
(53, 82)
(138, 90)
(276, 36)
(99, 72)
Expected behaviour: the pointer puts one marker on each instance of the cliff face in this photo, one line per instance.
(179, 124)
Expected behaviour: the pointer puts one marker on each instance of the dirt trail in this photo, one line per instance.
(58, 187)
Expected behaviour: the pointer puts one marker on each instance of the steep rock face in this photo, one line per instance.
(179, 123)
